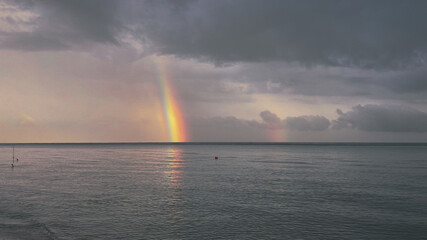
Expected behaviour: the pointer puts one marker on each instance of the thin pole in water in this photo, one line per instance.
(13, 155)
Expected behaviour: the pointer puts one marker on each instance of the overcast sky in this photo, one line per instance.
(85, 70)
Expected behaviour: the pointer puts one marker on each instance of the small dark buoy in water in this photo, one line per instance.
(216, 157)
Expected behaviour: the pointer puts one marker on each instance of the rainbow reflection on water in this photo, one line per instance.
(176, 163)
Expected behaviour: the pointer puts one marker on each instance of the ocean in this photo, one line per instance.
(179, 191)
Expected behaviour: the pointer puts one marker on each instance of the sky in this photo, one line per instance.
(213, 71)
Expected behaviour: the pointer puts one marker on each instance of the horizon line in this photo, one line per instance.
(218, 142)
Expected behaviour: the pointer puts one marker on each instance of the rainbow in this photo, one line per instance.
(172, 113)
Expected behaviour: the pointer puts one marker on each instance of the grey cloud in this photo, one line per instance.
(66, 24)
(382, 118)
(31, 42)
(300, 123)
(307, 123)
(339, 33)
(408, 85)
(280, 77)
(412, 81)
(330, 32)
(271, 120)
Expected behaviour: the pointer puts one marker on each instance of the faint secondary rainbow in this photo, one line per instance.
(172, 113)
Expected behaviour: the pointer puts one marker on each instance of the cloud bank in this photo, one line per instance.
(307, 123)
(369, 118)
(382, 119)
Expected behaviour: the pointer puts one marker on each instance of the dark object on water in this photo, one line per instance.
(13, 155)
(216, 157)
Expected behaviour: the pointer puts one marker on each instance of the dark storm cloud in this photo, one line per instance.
(382, 118)
(331, 32)
(350, 33)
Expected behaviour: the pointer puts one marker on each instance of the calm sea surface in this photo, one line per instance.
(257, 191)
